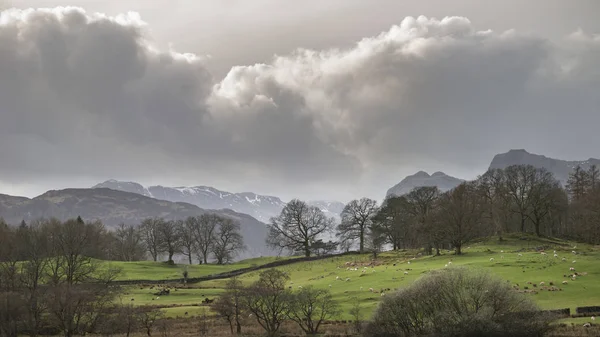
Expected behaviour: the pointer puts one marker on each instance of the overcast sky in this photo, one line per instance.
(332, 99)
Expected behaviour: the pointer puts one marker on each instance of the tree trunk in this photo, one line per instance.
(362, 241)
(458, 249)
(522, 224)
(190, 258)
(306, 250)
(537, 227)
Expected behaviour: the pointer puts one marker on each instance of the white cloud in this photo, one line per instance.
(88, 95)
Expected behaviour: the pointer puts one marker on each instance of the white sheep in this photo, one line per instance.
(446, 265)
(574, 261)
(555, 255)
(563, 259)
(449, 262)
(408, 262)
(542, 283)
(501, 251)
(337, 277)
(565, 282)
(492, 259)
(361, 288)
(292, 282)
(574, 252)
(520, 255)
(543, 253)
(347, 279)
(405, 273)
(572, 269)
(299, 287)
(382, 294)
(593, 318)
(371, 289)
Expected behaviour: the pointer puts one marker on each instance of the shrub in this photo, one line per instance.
(460, 303)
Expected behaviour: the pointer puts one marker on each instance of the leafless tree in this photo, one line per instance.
(206, 227)
(228, 241)
(496, 203)
(395, 221)
(229, 305)
(188, 239)
(169, 237)
(578, 183)
(268, 300)
(545, 196)
(421, 203)
(297, 227)
(357, 217)
(148, 318)
(459, 213)
(519, 185)
(128, 244)
(151, 236)
(310, 307)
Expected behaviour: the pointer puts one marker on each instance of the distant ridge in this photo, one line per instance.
(560, 168)
(439, 179)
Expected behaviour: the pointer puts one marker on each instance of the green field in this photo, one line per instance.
(394, 270)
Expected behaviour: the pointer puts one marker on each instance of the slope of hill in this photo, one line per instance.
(261, 207)
(439, 179)
(560, 168)
(113, 207)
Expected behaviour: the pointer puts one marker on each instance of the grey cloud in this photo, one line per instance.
(88, 95)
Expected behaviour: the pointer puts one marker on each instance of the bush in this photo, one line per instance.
(459, 303)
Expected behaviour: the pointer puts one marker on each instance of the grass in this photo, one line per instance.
(394, 270)
(153, 271)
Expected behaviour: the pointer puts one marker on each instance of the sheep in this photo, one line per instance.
(563, 259)
(292, 282)
(587, 325)
(330, 286)
(408, 262)
(361, 288)
(542, 283)
(572, 269)
(574, 261)
(565, 282)
(382, 294)
(520, 255)
(501, 251)
(133, 299)
(347, 279)
(574, 252)
(543, 253)
(299, 287)
(555, 255)
(446, 265)
(593, 318)
(337, 277)
(449, 262)
(492, 259)
(371, 289)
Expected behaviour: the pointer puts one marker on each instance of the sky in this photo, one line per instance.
(334, 99)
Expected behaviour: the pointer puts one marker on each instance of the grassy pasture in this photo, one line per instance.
(393, 270)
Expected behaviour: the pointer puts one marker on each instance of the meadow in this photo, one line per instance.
(518, 259)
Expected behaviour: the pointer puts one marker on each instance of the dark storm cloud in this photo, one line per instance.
(86, 94)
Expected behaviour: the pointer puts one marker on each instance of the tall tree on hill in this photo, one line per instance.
(357, 217)
(188, 239)
(520, 181)
(128, 244)
(151, 236)
(395, 222)
(545, 196)
(577, 183)
(228, 241)
(459, 213)
(169, 235)
(421, 202)
(205, 234)
(496, 204)
(297, 227)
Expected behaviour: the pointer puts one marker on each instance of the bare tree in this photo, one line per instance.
(545, 196)
(169, 235)
(421, 202)
(148, 317)
(297, 227)
(188, 239)
(205, 234)
(151, 236)
(577, 183)
(229, 305)
(396, 222)
(268, 300)
(128, 244)
(228, 241)
(492, 189)
(460, 212)
(357, 216)
(519, 184)
(310, 307)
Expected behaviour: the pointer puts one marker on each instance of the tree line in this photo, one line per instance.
(519, 198)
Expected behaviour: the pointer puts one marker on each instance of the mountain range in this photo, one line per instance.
(261, 207)
(560, 168)
(113, 207)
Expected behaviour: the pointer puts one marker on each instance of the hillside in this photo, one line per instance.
(560, 168)
(439, 179)
(517, 260)
(113, 207)
(261, 207)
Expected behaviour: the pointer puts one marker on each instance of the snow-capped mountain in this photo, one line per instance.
(261, 207)
(439, 179)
